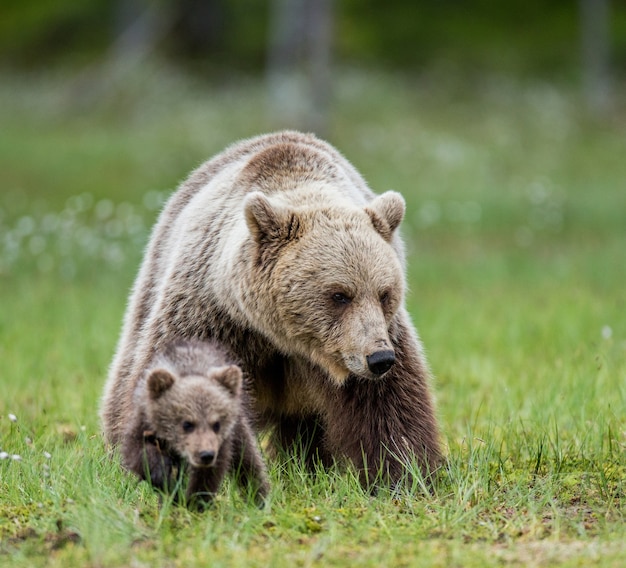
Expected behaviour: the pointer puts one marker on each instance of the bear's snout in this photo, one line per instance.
(380, 362)
(206, 457)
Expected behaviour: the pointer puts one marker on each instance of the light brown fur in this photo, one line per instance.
(188, 412)
(278, 249)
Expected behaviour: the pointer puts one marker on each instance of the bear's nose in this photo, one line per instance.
(207, 457)
(380, 362)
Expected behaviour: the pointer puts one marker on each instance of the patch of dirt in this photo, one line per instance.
(51, 540)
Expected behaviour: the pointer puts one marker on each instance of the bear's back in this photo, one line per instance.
(192, 357)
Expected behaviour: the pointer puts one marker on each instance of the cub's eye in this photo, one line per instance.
(216, 427)
(384, 298)
(188, 426)
(340, 298)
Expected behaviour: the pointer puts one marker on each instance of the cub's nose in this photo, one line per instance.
(207, 457)
(380, 362)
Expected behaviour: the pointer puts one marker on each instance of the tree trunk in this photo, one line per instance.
(319, 40)
(298, 64)
(595, 43)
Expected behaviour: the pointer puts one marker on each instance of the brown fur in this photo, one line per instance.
(278, 249)
(188, 412)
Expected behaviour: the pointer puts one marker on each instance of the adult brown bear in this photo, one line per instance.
(279, 250)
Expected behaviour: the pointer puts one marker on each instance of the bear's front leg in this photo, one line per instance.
(204, 483)
(143, 455)
(301, 436)
(248, 464)
(383, 425)
(159, 464)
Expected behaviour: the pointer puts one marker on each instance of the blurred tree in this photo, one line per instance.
(595, 35)
(139, 27)
(466, 38)
(200, 26)
(299, 62)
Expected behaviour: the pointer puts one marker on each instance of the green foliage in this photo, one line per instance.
(533, 37)
(516, 243)
(36, 30)
(478, 34)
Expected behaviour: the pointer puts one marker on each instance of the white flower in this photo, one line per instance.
(12, 418)
(47, 455)
(16, 457)
(607, 332)
(3, 455)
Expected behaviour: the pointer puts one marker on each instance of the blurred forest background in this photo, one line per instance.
(299, 45)
(503, 123)
(502, 120)
(495, 107)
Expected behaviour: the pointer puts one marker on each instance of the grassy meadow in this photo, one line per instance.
(516, 241)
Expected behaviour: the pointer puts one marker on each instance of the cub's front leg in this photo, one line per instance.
(203, 485)
(144, 455)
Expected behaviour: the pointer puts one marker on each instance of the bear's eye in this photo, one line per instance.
(188, 426)
(341, 298)
(216, 427)
(384, 298)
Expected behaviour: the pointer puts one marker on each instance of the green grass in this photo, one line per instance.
(516, 233)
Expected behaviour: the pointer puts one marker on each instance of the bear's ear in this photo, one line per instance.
(386, 212)
(231, 377)
(269, 222)
(159, 381)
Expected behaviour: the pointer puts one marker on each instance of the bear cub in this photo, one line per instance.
(189, 415)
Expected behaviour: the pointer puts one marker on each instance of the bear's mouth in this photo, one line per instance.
(340, 367)
(332, 365)
(358, 367)
(201, 465)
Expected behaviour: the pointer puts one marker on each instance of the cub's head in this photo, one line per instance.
(331, 282)
(194, 414)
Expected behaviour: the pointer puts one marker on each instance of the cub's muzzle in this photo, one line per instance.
(206, 458)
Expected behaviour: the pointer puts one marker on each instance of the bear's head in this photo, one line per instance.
(194, 414)
(328, 281)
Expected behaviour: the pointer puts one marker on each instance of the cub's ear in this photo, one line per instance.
(386, 212)
(268, 221)
(231, 377)
(159, 381)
